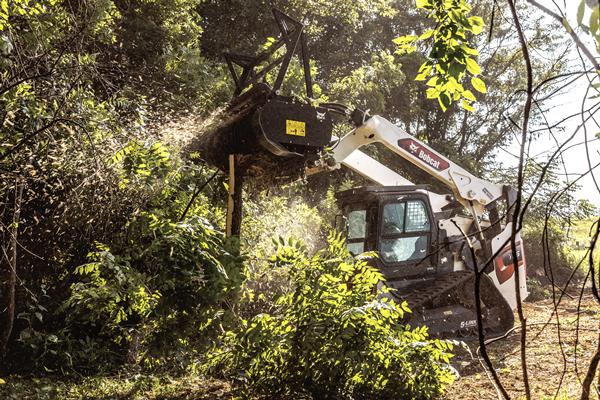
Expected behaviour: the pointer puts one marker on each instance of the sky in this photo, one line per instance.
(565, 103)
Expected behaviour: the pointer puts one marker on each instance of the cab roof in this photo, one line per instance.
(368, 192)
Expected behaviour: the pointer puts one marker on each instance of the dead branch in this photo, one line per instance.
(517, 216)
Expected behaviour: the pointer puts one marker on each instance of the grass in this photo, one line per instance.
(135, 387)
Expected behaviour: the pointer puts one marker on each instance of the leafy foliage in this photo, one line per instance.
(266, 217)
(10, 9)
(149, 162)
(165, 286)
(451, 59)
(591, 24)
(369, 86)
(335, 334)
(77, 88)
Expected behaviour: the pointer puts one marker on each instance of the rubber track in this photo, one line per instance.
(420, 295)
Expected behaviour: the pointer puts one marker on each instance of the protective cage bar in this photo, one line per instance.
(292, 35)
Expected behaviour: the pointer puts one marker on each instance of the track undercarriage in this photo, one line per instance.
(446, 304)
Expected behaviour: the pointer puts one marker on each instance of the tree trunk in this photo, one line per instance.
(235, 201)
(10, 255)
(591, 373)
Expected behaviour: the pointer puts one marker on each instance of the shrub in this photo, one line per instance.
(266, 218)
(334, 335)
(148, 300)
(547, 257)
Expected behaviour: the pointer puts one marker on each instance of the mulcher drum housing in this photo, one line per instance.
(262, 129)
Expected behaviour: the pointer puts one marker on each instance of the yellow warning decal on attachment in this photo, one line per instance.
(295, 128)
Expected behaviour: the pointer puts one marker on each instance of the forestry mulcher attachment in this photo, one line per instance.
(425, 241)
(271, 135)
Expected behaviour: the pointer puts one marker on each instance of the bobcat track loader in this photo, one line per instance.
(425, 241)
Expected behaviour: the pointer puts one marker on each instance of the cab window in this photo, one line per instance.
(357, 231)
(404, 231)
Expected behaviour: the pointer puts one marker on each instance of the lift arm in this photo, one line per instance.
(471, 191)
(377, 172)
(474, 193)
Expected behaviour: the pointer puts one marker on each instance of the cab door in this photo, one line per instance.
(405, 236)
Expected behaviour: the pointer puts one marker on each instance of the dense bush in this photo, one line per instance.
(156, 291)
(80, 85)
(334, 335)
(157, 294)
(268, 217)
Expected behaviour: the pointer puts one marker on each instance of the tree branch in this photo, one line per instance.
(517, 217)
(563, 21)
(12, 276)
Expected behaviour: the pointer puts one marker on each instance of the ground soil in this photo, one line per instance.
(554, 370)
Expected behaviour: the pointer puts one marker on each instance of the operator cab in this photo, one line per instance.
(396, 222)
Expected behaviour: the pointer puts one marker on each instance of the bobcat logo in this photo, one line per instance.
(424, 154)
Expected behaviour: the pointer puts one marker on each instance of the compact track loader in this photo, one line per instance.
(436, 251)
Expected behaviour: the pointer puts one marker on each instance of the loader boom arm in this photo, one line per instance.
(471, 191)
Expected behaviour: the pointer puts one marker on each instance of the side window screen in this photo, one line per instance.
(393, 218)
(357, 224)
(357, 231)
(416, 217)
(356, 248)
(402, 231)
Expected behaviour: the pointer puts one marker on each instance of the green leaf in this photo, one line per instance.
(467, 94)
(567, 26)
(422, 3)
(476, 21)
(467, 106)
(594, 20)
(476, 24)
(472, 66)
(2, 381)
(478, 85)
(456, 70)
(432, 93)
(477, 30)
(469, 50)
(444, 101)
(432, 82)
(580, 12)
(426, 35)
(405, 39)
(421, 77)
